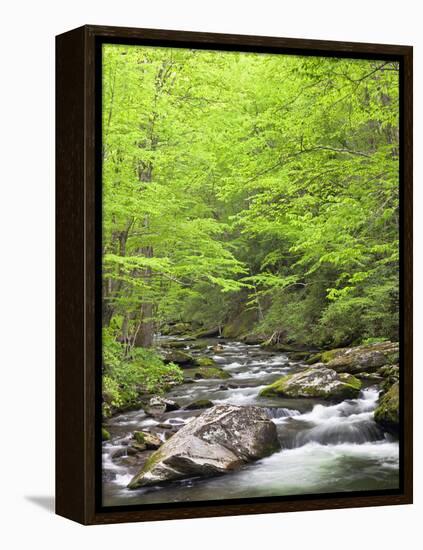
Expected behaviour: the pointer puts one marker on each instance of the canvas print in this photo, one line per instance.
(250, 275)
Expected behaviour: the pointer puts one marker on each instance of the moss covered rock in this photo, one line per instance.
(387, 410)
(366, 358)
(205, 362)
(313, 359)
(390, 374)
(205, 372)
(328, 355)
(146, 439)
(105, 435)
(180, 358)
(318, 382)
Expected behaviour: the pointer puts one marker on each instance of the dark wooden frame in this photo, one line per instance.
(77, 114)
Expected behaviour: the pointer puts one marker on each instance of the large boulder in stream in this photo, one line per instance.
(366, 358)
(387, 410)
(220, 440)
(318, 382)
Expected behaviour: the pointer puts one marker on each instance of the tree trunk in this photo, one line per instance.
(145, 334)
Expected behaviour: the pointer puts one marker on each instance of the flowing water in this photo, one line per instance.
(326, 448)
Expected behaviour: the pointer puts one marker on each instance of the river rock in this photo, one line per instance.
(119, 453)
(180, 358)
(220, 440)
(199, 373)
(387, 410)
(366, 358)
(178, 344)
(105, 434)
(205, 361)
(218, 348)
(136, 448)
(159, 405)
(199, 404)
(151, 441)
(319, 381)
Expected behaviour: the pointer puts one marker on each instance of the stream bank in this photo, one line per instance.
(325, 446)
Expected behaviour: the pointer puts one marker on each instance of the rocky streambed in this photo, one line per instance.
(273, 422)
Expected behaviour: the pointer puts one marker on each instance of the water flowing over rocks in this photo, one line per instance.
(328, 444)
(220, 440)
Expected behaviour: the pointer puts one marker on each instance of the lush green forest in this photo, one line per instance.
(248, 194)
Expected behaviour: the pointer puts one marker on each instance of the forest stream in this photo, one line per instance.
(326, 447)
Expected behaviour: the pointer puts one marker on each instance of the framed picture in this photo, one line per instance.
(234, 274)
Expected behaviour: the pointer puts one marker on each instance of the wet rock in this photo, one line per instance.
(137, 459)
(149, 440)
(318, 381)
(205, 362)
(372, 376)
(135, 448)
(129, 461)
(389, 371)
(387, 410)
(168, 427)
(200, 404)
(180, 358)
(177, 344)
(197, 344)
(105, 434)
(206, 373)
(390, 375)
(218, 348)
(366, 358)
(159, 405)
(220, 440)
(312, 359)
(119, 453)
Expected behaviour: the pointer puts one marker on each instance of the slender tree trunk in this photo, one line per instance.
(145, 334)
(112, 288)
